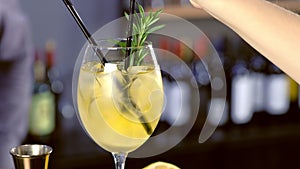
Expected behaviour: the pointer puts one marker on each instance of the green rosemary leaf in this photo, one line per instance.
(141, 10)
(142, 55)
(135, 28)
(122, 44)
(126, 16)
(148, 19)
(144, 38)
(153, 21)
(142, 28)
(156, 28)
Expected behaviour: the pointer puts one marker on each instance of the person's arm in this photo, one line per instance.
(1, 30)
(15, 31)
(272, 30)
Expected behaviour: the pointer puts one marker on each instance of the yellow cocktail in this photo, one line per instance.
(119, 109)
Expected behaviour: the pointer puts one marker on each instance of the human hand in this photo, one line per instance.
(195, 3)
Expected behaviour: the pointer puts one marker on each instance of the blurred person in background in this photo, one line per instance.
(270, 29)
(15, 78)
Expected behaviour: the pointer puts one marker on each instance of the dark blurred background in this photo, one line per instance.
(259, 127)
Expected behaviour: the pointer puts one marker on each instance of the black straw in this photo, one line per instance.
(146, 126)
(129, 34)
(86, 33)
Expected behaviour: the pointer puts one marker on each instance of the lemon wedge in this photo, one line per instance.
(161, 165)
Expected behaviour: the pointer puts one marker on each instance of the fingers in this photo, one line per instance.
(195, 3)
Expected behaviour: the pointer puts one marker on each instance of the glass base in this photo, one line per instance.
(119, 159)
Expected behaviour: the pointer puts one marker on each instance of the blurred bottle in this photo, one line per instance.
(199, 66)
(178, 108)
(298, 96)
(42, 110)
(294, 90)
(202, 77)
(277, 91)
(242, 95)
(53, 77)
(293, 113)
(220, 111)
(176, 80)
(186, 53)
(258, 72)
(294, 98)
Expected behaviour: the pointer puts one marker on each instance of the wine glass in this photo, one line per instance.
(119, 96)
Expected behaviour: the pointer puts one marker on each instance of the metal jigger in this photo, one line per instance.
(31, 156)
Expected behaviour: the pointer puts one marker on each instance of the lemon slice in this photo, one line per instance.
(161, 165)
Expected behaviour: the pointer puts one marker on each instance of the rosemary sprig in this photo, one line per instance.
(143, 26)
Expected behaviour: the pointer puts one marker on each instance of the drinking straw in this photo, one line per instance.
(129, 34)
(146, 126)
(86, 33)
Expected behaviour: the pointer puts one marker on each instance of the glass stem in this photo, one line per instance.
(119, 159)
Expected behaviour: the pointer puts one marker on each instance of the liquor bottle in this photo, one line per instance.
(242, 96)
(293, 113)
(294, 98)
(186, 53)
(53, 77)
(42, 111)
(298, 96)
(258, 72)
(277, 91)
(178, 103)
(199, 67)
(220, 111)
